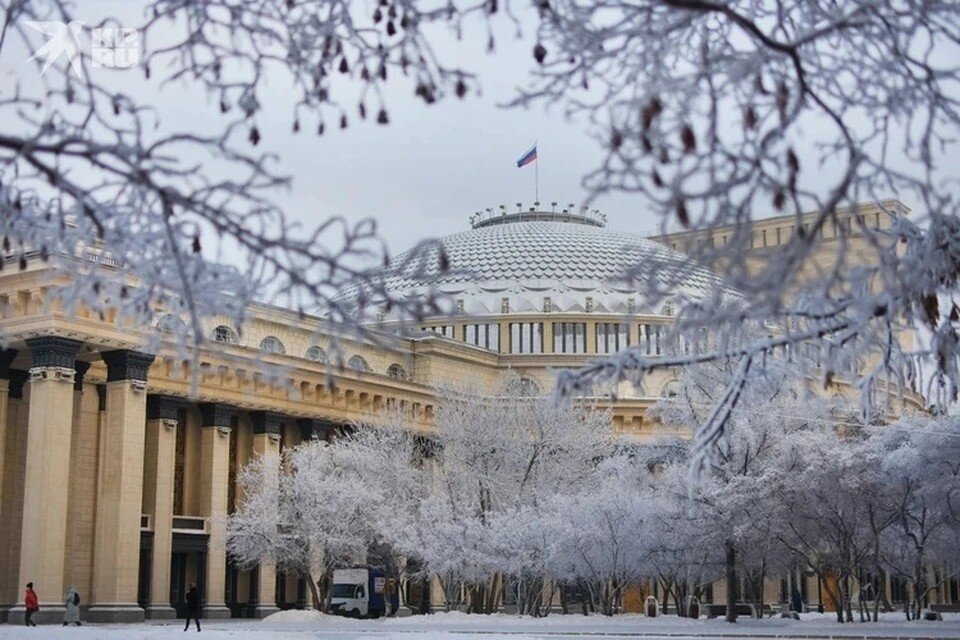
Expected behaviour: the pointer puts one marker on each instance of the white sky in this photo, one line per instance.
(422, 175)
(426, 172)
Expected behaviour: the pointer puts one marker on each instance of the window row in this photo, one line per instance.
(568, 337)
(272, 344)
(844, 226)
(525, 338)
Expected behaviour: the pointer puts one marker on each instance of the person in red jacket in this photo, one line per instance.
(30, 604)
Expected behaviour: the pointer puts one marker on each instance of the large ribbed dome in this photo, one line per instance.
(566, 259)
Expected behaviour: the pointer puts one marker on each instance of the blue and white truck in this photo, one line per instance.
(363, 592)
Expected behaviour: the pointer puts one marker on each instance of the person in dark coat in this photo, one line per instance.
(797, 601)
(31, 604)
(193, 607)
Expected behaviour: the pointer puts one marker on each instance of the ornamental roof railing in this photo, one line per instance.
(535, 213)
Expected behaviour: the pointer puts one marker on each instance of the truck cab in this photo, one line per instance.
(360, 592)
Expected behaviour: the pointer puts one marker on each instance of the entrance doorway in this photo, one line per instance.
(188, 565)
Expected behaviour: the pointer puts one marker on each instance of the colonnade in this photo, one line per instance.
(88, 480)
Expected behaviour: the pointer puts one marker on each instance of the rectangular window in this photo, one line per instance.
(526, 337)
(612, 337)
(569, 337)
(445, 330)
(651, 338)
(483, 335)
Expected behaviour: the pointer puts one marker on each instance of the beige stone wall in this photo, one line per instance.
(767, 234)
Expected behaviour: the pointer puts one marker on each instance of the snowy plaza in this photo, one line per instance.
(290, 625)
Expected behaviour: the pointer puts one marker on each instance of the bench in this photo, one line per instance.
(741, 609)
(946, 608)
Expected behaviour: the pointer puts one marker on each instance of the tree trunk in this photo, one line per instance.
(731, 579)
(492, 593)
(318, 602)
(758, 590)
(849, 600)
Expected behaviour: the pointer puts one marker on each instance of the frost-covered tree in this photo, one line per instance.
(732, 498)
(920, 460)
(604, 531)
(491, 458)
(832, 508)
(682, 560)
(331, 507)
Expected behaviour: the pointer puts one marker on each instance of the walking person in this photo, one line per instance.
(193, 607)
(71, 600)
(31, 604)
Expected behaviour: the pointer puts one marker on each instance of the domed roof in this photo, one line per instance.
(564, 258)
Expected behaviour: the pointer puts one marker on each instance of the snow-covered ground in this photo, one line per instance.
(457, 626)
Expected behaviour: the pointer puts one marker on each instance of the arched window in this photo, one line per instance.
(397, 372)
(358, 364)
(225, 334)
(170, 323)
(523, 387)
(669, 390)
(272, 344)
(317, 354)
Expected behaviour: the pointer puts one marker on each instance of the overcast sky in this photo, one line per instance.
(426, 172)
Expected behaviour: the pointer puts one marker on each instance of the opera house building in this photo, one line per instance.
(116, 470)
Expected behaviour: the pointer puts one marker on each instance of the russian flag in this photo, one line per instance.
(528, 157)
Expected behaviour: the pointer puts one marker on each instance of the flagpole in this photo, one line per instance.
(536, 176)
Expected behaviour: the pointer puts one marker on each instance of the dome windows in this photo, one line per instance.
(526, 337)
(569, 337)
(612, 336)
(483, 335)
(445, 330)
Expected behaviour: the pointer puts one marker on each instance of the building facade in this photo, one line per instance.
(117, 466)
